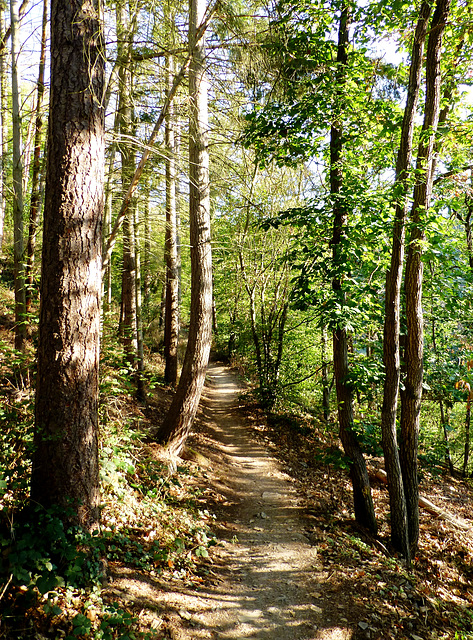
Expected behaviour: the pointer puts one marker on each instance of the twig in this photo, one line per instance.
(6, 586)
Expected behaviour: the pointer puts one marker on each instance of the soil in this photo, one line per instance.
(266, 579)
(276, 572)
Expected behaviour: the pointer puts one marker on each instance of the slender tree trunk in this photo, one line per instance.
(140, 356)
(363, 504)
(325, 382)
(108, 210)
(179, 420)
(466, 454)
(35, 201)
(3, 121)
(391, 351)
(147, 258)
(171, 314)
(125, 120)
(65, 461)
(411, 397)
(445, 421)
(18, 249)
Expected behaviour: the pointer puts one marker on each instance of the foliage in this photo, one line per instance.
(150, 521)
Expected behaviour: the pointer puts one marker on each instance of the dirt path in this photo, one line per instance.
(267, 582)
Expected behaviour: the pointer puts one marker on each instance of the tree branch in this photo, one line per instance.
(453, 172)
(146, 153)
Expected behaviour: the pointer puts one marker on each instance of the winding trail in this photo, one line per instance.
(267, 582)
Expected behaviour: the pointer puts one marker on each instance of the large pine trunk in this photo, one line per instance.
(412, 395)
(179, 420)
(391, 351)
(65, 461)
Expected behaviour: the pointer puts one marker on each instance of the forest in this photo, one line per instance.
(284, 189)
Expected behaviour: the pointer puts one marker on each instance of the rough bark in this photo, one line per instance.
(391, 351)
(65, 461)
(411, 397)
(363, 503)
(179, 420)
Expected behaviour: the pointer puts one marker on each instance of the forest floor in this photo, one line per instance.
(290, 562)
(252, 537)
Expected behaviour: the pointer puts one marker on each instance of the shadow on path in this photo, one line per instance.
(268, 583)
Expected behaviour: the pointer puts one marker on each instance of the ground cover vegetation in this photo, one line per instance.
(337, 181)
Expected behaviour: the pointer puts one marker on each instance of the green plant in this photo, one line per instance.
(333, 456)
(41, 552)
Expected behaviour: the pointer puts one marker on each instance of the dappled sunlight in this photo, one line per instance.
(264, 578)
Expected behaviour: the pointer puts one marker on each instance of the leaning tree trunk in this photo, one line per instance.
(363, 503)
(412, 395)
(65, 461)
(18, 243)
(179, 420)
(391, 352)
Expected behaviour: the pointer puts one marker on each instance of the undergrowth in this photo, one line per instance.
(53, 579)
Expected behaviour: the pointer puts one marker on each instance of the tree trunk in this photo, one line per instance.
(363, 504)
(147, 258)
(171, 314)
(179, 420)
(35, 201)
(411, 397)
(65, 461)
(3, 121)
(325, 382)
(125, 123)
(18, 248)
(466, 454)
(107, 216)
(140, 356)
(391, 352)
(445, 421)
